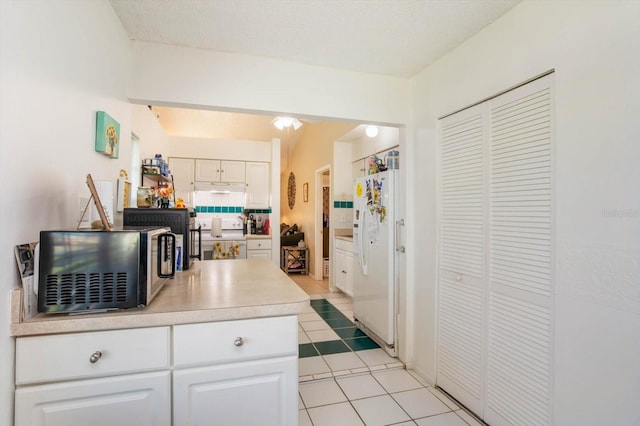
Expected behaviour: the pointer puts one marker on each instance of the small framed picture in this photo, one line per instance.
(305, 192)
(107, 135)
(124, 194)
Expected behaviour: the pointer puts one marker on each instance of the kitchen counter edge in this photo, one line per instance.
(290, 302)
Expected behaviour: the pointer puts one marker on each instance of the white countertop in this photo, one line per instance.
(258, 236)
(209, 291)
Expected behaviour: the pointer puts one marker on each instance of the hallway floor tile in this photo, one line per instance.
(346, 379)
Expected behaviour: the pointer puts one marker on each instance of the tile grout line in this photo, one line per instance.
(367, 370)
(386, 393)
(341, 339)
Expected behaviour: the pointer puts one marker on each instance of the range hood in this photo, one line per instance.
(220, 187)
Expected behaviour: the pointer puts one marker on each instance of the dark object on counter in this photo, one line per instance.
(181, 223)
(253, 224)
(289, 235)
(291, 240)
(88, 270)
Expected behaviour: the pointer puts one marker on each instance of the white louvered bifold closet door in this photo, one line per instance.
(495, 260)
(461, 297)
(520, 256)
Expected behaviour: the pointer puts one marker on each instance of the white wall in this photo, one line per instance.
(342, 178)
(593, 46)
(60, 62)
(153, 139)
(231, 81)
(221, 149)
(63, 60)
(364, 146)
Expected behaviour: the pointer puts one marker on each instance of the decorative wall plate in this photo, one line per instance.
(291, 190)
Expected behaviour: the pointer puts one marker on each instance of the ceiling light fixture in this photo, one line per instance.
(371, 131)
(285, 122)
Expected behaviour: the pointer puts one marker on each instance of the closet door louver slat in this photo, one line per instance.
(495, 274)
(462, 257)
(520, 257)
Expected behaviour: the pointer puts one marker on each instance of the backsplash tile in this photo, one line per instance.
(218, 209)
(343, 204)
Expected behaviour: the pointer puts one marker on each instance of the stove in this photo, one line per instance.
(232, 229)
(231, 241)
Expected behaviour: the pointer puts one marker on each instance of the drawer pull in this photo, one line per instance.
(238, 342)
(95, 357)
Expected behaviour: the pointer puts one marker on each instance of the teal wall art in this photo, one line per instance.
(107, 135)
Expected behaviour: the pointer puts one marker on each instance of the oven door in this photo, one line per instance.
(195, 243)
(224, 249)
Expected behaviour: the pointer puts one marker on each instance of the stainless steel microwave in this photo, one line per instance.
(84, 270)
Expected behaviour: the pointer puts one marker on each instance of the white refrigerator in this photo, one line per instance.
(376, 257)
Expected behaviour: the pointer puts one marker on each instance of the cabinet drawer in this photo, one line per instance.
(259, 244)
(259, 254)
(344, 245)
(70, 356)
(234, 341)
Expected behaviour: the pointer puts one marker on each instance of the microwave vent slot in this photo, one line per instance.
(86, 289)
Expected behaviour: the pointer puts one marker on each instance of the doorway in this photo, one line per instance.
(322, 220)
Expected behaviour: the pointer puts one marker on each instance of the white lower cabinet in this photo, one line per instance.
(343, 265)
(129, 400)
(236, 373)
(259, 248)
(246, 393)
(242, 372)
(98, 378)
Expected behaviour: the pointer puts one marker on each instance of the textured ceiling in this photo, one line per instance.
(191, 123)
(390, 37)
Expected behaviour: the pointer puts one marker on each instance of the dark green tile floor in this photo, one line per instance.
(351, 339)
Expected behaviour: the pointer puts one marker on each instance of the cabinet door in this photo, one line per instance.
(183, 171)
(232, 171)
(358, 168)
(258, 187)
(207, 170)
(129, 400)
(258, 254)
(262, 392)
(349, 274)
(341, 270)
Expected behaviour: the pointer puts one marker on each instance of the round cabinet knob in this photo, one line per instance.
(95, 357)
(239, 341)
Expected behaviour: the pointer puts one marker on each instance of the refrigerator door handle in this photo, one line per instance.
(363, 265)
(399, 246)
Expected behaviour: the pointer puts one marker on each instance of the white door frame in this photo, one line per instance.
(317, 258)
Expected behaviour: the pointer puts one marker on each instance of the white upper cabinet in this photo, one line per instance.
(220, 171)
(258, 187)
(208, 170)
(183, 171)
(358, 168)
(232, 171)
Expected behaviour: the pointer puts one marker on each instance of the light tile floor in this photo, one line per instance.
(362, 387)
